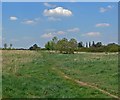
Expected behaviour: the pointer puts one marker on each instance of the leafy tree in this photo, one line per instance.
(10, 46)
(89, 44)
(49, 45)
(65, 46)
(98, 44)
(93, 44)
(5, 46)
(86, 45)
(54, 42)
(80, 44)
(55, 39)
(34, 47)
(72, 45)
(62, 45)
(112, 47)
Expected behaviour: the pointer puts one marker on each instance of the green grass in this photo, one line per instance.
(30, 74)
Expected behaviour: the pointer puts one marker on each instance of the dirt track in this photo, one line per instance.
(85, 84)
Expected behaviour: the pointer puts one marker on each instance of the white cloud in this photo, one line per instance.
(74, 30)
(60, 32)
(102, 25)
(104, 9)
(52, 32)
(58, 11)
(92, 34)
(13, 18)
(47, 35)
(29, 22)
(54, 19)
(109, 6)
(49, 5)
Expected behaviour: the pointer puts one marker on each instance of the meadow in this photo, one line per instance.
(40, 74)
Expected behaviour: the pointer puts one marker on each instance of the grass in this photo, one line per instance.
(31, 74)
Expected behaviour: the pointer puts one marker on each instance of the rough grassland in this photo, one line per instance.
(32, 74)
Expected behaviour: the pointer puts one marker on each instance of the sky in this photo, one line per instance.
(27, 23)
(60, 0)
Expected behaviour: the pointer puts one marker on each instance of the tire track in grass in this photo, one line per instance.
(85, 84)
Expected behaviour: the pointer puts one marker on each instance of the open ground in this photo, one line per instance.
(40, 74)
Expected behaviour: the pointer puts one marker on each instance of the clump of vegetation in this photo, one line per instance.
(70, 46)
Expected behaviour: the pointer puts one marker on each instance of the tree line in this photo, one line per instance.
(70, 46)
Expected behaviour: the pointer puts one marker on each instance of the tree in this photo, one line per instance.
(98, 44)
(10, 46)
(54, 42)
(93, 44)
(49, 45)
(80, 44)
(89, 44)
(55, 39)
(5, 46)
(34, 47)
(86, 45)
(65, 46)
(112, 47)
(62, 45)
(72, 45)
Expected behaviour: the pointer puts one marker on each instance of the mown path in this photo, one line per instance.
(84, 83)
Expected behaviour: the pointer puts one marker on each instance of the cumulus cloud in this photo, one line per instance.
(54, 19)
(13, 18)
(58, 11)
(92, 34)
(29, 22)
(49, 5)
(104, 9)
(47, 35)
(102, 25)
(74, 30)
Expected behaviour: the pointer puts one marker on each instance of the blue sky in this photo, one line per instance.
(37, 22)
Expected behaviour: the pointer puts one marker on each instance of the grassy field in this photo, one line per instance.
(32, 74)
